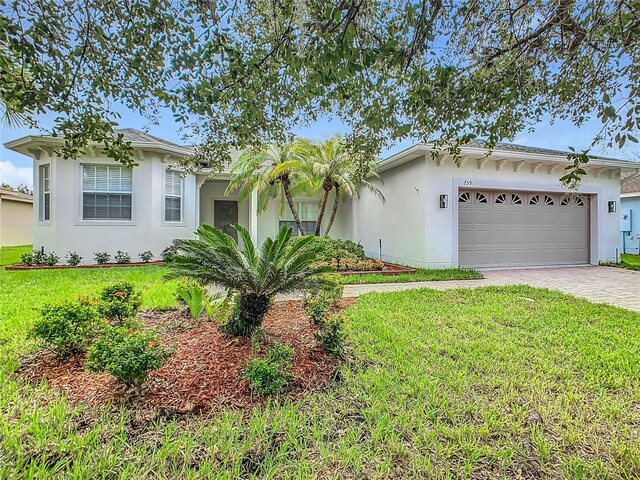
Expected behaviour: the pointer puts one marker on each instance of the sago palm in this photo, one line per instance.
(275, 171)
(280, 265)
(333, 167)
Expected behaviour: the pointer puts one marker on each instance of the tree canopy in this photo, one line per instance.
(245, 73)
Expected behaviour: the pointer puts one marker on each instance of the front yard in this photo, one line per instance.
(630, 261)
(493, 382)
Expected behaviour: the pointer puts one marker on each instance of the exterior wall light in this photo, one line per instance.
(444, 200)
(612, 206)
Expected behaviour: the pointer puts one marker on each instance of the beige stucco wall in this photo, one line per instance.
(16, 222)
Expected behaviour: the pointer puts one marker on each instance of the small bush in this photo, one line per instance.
(73, 258)
(101, 257)
(331, 248)
(39, 257)
(193, 296)
(272, 374)
(126, 354)
(119, 302)
(27, 259)
(359, 265)
(146, 256)
(66, 328)
(50, 259)
(332, 336)
(319, 302)
(122, 257)
(168, 253)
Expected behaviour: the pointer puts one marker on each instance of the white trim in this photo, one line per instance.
(164, 221)
(416, 151)
(41, 193)
(81, 221)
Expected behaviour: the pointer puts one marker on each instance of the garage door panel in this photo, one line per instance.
(504, 234)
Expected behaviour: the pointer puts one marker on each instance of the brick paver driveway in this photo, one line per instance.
(615, 286)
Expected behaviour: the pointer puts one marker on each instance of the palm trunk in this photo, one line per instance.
(334, 210)
(292, 206)
(323, 206)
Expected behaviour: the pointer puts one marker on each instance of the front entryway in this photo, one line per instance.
(512, 228)
(225, 214)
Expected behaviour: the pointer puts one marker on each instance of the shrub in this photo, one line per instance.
(39, 257)
(368, 264)
(272, 374)
(128, 355)
(169, 253)
(331, 336)
(50, 259)
(319, 302)
(257, 275)
(122, 257)
(27, 259)
(119, 302)
(193, 296)
(101, 257)
(73, 258)
(146, 256)
(331, 248)
(66, 328)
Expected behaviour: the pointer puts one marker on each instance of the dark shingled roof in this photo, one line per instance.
(136, 136)
(630, 185)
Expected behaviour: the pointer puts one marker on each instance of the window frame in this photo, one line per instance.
(165, 195)
(104, 221)
(296, 231)
(43, 193)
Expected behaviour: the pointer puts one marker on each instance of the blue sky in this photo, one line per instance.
(16, 168)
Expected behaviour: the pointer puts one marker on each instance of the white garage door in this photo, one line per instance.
(499, 229)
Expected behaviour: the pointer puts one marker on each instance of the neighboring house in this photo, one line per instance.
(630, 211)
(505, 209)
(16, 218)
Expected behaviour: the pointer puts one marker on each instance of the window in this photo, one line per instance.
(45, 193)
(173, 188)
(579, 202)
(565, 201)
(464, 197)
(502, 198)
(515, 199)
(308, 212)
(106, 192)
(534, 200)
(548, 201)
(481, 198)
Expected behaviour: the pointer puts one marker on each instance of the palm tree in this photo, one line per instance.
(335, 168)
(275, 171)
(279, 266)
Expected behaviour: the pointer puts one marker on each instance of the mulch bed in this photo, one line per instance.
(87, 265)
(206, 369)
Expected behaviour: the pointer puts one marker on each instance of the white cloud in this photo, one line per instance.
(15, 176)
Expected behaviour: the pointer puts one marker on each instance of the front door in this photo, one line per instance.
(225, 214)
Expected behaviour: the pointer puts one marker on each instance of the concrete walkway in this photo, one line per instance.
(615, 286)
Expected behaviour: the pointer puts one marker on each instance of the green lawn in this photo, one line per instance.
(421, 275)
(499, 382)
(630, 261)
(11, 255)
